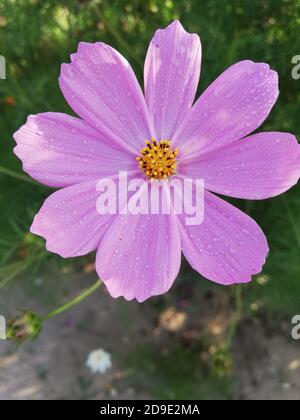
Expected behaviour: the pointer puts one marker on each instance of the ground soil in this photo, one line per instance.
(266, 359)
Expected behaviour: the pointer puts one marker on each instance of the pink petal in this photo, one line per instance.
(139, 256)
(256, 167)
(228, 247)
(69, 222)
(101, 88)
(171, 74)
(233, 106)
(59, 150)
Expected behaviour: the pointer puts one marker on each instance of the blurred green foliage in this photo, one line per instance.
(176, 374)
(37, 36)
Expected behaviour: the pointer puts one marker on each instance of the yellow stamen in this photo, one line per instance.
(157, 160)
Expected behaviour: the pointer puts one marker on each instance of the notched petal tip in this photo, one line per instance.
(132, 267)
(171, 75)
(90, 83)
(115, 293)
(37, 230)
(18, 134)
(65, 70)
(232, 107)
(177, 27)
(245, 280)
(228, 247)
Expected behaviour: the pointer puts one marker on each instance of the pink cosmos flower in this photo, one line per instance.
(139, 256)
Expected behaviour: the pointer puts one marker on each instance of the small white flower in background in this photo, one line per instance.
(99, 361)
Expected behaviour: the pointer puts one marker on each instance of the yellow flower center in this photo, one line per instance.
(158, 160)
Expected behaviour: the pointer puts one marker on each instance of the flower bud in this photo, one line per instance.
(221, 363)
(25, 327)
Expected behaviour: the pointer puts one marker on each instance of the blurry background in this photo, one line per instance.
(201, 340)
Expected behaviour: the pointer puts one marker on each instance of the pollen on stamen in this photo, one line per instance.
(158, 160)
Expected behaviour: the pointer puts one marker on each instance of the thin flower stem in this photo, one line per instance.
(18, 176)
(85, 294)
(236, 318)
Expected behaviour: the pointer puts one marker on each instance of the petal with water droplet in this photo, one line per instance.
(237, 256)
(59, 150)
(70, 222)
(91, 83)
(171, 75)
(224, 112)
(145, 261)
(259, 166)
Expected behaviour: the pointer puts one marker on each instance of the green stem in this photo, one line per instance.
(237, 316)
(18, 176)
(85, 294)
